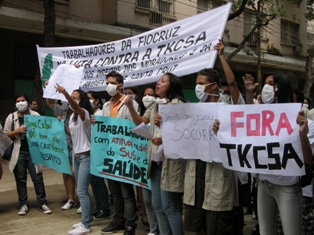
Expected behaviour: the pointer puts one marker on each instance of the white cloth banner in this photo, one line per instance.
(67, 76)
(187, 133)
(182, 47)
(261, 139)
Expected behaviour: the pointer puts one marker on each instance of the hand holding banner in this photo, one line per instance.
(67, 76)
(261, 139)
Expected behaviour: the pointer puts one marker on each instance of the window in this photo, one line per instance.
(202, 5)
(249, 21)
(289, 32)
(143, 4)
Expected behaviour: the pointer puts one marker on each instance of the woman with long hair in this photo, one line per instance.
(80, 128)
(166, 189)
(21, 161)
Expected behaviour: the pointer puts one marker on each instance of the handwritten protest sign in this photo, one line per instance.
(47, 143)
(67, 76)
(187, 131)
(117, 153)
(261, 139)
(182, 47)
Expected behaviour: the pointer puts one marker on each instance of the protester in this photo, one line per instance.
(276, 192)
(33, 105)
(64, 112)
(207, 212)
(123, 193)
(80, 128)
(134, 92)
(147, 99)
(100, 190)
(167, 175)
(21, 160)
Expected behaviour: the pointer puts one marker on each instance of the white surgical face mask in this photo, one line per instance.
(161, 101)
(111, 89)
(225, 98)
(92, 103)
(200, 92)
(306, 106)
(21, 106)
(77, 101)
(268, 94)
(148, 101)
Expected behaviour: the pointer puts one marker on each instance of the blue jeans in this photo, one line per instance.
(82, 175)
(25, 163)
(152, 219)
(164, 203)
(100, 192)
(286, 199)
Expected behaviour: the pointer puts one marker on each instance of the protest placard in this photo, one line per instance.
(182, 47)
(47, 143)
(117, 153)
(261, 139)
(187, 131)
(67, 76)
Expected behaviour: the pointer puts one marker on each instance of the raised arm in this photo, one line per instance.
(137, 119)
(306, 148)
(50, 103)
(234, 91)
(76, 108)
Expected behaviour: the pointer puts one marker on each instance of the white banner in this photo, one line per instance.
(182, 47)
(261, 139)
(67, 76)
(187, 131)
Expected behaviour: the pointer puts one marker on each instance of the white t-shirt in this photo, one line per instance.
(80, 133)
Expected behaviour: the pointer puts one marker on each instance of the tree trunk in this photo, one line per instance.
(308, 71)
(49, 41)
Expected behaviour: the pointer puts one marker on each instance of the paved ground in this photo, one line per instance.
(59, 222)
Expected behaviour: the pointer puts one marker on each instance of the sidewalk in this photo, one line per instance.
(57, 223)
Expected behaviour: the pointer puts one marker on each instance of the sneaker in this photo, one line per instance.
(91, 223)
(101, 215)
(45, 209)
(79, 211)
(23, 210)
(129, 231)
(150, 234)
(68, 205)
(80, 230)
(95, 212)
(113, 227)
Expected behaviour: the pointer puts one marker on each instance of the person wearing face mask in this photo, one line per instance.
(100, 190)
(133, 92)
(21, 160)
(283, 193)
(147, 100)
(64, 112)
(208, 212)
(124, 204)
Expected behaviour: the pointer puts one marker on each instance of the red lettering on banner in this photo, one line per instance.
(234, 124)
(284, 123)
(267, 119)
(249, 119)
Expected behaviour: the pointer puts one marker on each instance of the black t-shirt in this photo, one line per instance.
(24, 143)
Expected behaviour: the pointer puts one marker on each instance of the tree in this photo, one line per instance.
(49, 41)
(264, 12)
(309, 79)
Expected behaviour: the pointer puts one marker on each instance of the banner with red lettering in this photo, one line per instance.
(261, 139)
